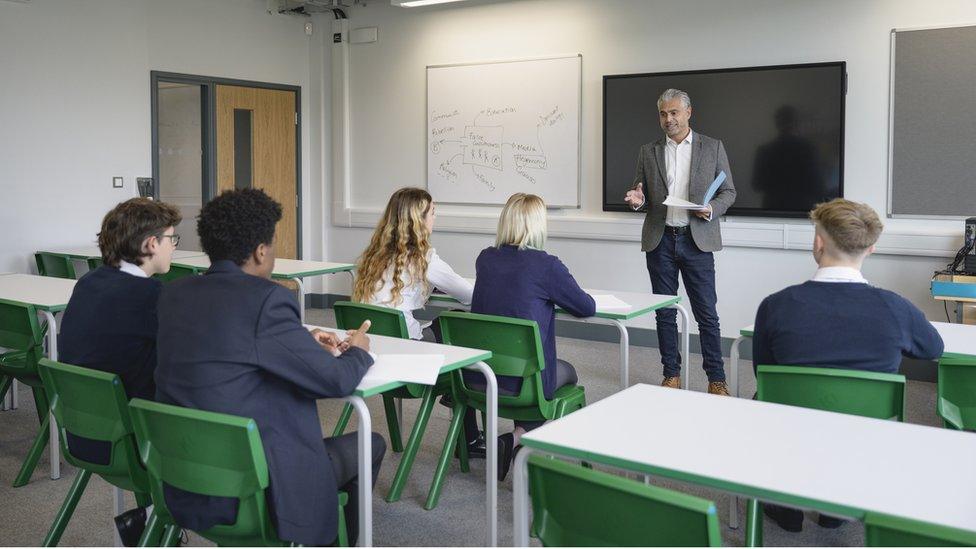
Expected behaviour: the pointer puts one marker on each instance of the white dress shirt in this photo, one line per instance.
(413, 296)
(839, 274)
(132, 269)
(677, 161)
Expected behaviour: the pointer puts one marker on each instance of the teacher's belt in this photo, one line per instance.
(676, 230)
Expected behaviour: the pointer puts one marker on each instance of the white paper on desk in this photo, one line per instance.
(609, 302)
(422, 369)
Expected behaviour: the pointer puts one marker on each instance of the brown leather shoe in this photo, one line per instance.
(718, 388)
(672, 382)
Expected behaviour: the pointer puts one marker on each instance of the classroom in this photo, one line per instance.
(414, 230)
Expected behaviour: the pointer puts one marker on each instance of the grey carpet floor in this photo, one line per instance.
(459, 520)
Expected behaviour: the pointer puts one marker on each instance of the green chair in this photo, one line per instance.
(55, 265)
(855, 392)
(391, 322)
(573, 506)
(21, 333)
(94, 263)
(176, 271)
(888, 531)
(516, 350)
(92, 404)
(211, 454)
(956, 404)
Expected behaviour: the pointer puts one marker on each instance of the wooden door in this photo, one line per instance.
(256, 148)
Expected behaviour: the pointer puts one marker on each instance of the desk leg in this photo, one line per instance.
(491, 443)
(685, 345)
(520, 498)
(52, 353)
(14, 390)
(118, 504)
(734, 367)
(624, 354)
(301, 298)
(365, 431)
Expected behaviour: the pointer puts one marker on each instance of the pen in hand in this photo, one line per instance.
(357, 338)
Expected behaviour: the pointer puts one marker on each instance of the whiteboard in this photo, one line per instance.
(494, 129)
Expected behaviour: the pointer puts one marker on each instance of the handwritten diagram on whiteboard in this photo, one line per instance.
(495, 129)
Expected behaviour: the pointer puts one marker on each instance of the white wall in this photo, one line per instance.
(387, 124)
(74, 103)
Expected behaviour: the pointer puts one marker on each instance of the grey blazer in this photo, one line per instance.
(708, 158)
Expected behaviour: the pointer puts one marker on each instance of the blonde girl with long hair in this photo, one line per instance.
(400, 268)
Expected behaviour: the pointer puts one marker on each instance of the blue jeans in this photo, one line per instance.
(678, 253)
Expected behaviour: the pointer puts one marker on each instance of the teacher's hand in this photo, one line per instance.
(705, 213)
(635, 196)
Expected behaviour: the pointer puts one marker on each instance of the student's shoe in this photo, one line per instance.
(476, 448)
(830, 522)
(506, 446)
(130, 525)
(672, 382)
(788, 519)
(718, 388)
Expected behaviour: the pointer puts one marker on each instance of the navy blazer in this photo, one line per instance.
(528, 284)
(233, 343)
(110, 325)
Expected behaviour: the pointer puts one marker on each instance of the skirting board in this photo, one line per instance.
(916, 370)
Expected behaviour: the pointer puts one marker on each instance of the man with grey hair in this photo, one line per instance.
(683, 164)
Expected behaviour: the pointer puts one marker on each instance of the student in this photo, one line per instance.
(110, 321)
(516, 278)
(232, 341)
(837, 319)
(400, 268)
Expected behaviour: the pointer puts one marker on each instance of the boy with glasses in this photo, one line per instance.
(110, 321)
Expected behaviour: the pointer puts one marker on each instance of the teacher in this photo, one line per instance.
(683, 164)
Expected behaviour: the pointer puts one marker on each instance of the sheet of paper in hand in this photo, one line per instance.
(675, 202)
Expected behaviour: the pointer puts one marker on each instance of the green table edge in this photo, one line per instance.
(314, 272)
(373, 391)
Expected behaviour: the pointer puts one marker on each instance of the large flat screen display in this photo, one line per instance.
(782, 126)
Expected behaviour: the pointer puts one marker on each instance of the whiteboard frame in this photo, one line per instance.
(889, 207)
(579, 122)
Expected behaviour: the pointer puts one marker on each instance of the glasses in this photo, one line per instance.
(174, 237)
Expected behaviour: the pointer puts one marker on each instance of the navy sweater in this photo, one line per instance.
(110, 325)
(528, 284)
(841, 325)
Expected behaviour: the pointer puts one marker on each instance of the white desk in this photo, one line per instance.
(455, 358)
(284, 269)
(640, 304)
(49, 295)
(86, 253)
(836, 463)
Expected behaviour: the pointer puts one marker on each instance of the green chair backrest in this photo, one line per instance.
(383, 320)
(856, 392)
(211, 454)
(516, 350)
(888, 531)
(20, 331)
(92, 404)
(176, 271)
(54, 265)
(957, 391)
(575, 506)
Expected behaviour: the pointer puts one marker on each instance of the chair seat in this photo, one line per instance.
(960, 417)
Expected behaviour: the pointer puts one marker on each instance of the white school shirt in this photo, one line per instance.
(677, 161)
(413, 296)
(839, 274)
(132, 269)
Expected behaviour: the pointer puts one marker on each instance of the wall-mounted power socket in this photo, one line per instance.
(117, 182)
